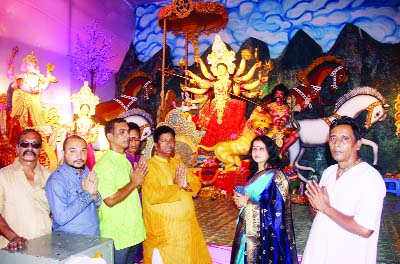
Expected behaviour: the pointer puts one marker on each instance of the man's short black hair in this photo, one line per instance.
(162, 130)
(110, 125)
(346, 120)
(133, 126)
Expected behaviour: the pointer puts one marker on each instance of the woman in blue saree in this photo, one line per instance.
(264, 231)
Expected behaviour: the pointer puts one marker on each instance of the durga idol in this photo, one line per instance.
(222, 117)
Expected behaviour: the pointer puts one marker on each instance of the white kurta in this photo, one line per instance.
(359, 192)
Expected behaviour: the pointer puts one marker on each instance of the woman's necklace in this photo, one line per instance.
(341, 170)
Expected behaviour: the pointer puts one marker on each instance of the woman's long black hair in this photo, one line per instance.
(274, 161)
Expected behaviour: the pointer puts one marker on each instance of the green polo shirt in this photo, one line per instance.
(123, 222)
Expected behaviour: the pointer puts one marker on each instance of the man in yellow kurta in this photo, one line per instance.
(173, 233)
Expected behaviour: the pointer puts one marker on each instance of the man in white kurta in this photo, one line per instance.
(360, 194)
(349, 202)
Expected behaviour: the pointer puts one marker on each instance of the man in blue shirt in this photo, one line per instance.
(72, 192)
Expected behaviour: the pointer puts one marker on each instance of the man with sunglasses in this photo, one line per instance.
(24, 211)
(72, 192)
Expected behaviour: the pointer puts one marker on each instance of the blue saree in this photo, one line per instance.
(264, 231)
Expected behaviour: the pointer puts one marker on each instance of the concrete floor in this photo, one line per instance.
(217, 220)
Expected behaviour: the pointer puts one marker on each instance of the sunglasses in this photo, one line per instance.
(26, 144)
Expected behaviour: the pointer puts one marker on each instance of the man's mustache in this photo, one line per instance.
(28, 151)
(77, 167)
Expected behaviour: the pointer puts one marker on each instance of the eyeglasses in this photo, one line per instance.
(26, 144)
(134, 139)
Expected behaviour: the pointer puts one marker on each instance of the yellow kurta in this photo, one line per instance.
(170, 217)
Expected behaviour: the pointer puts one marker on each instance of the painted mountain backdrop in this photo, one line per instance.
(370, 63)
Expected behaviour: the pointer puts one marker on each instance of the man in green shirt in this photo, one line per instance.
(120, 213)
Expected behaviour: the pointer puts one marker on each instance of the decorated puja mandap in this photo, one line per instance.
(219, 73)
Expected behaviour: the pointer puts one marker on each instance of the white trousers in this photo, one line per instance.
(156, 259)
